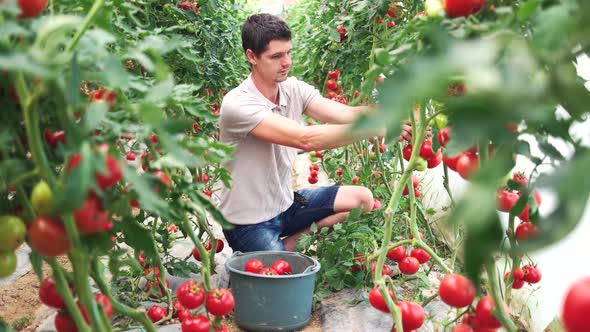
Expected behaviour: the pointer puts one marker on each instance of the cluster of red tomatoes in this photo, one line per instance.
(313, 172)
(506, 199)
(190, 296)
(335, 91)
(189, 5)
(63, 322)
(278, 267)
(412, 313)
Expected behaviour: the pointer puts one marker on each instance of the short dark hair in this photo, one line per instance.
(260, 29)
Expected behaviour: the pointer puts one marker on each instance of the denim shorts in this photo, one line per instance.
(310, 205)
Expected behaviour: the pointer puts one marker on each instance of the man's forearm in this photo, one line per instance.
(321, 137)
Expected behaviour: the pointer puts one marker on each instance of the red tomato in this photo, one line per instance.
(420, 254)
(31, 8)
(451, 162)
(312, 179)
(282, 267)
(505, 199)
(409, 265)
(407, 152)
(148, 287)
(268, 271)
(222, 328)
(130, 156)
(163, 177)
(412, 315)
(156, 313)
(576, 306)
(456, 291)
(467, 165)
(524, 215)
(334, 74)
(394, 11)
(183, 314)
(113, 175)
(521, 178)
(443, 136)
(435, 160)
(178, 307)
(385, 270)
(153, 138)
(532, 274)
(48, 238)
(219, 302)
(48, 294)
(196, 324)
(253, 266)
(525, 230)
(103, 95)
(360, 259)
(457, 8)
(377, 301)
(462, 328)
(102, 301)
(64, 323)
(426, 150)
(331, 84)
(90, 217)
(483, 311)
(355, 179)
(397, 254)
(376, 204)
(190, 294)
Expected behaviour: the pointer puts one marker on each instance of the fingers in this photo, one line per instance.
(406, 132)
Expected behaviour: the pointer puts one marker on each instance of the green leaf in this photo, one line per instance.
(138, 237)
(205, 202)
(571, 203)
(37, 263)
(314, 228)
(145, 190)
(160, 91)
(22, 62)
(527, 9)
(78, 181)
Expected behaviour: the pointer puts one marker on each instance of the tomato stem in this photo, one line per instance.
(81, 266)
(63, 289)
(118, 306)
(204, 254)
(513, 255)
(87, 22)
(498, 310)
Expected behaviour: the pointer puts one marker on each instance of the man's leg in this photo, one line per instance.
(347, 198)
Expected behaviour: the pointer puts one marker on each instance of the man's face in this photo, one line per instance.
(274, 63)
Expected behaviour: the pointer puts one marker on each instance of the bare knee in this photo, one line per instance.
(351, 197)
(366, 199)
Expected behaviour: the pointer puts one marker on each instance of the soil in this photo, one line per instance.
(20, 306)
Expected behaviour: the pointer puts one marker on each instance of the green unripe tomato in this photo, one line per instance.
(421, 165)
(372, 156)
(42, 198)
(441, 120)
(7, 263)
(12, 232)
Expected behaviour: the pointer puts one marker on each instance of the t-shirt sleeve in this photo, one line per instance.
(307, 92)
(238, 119)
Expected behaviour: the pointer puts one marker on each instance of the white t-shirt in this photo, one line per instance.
(260, 170)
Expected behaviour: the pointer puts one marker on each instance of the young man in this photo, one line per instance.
(261, 118)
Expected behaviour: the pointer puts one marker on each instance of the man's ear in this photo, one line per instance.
(251, 56)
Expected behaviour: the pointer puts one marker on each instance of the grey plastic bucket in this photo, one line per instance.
(272, 303)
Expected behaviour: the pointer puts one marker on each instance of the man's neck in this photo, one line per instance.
(270, 90)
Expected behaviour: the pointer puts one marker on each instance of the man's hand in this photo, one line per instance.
(407, 132)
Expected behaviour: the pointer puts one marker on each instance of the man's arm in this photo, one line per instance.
(329, 111)
(284, 131)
